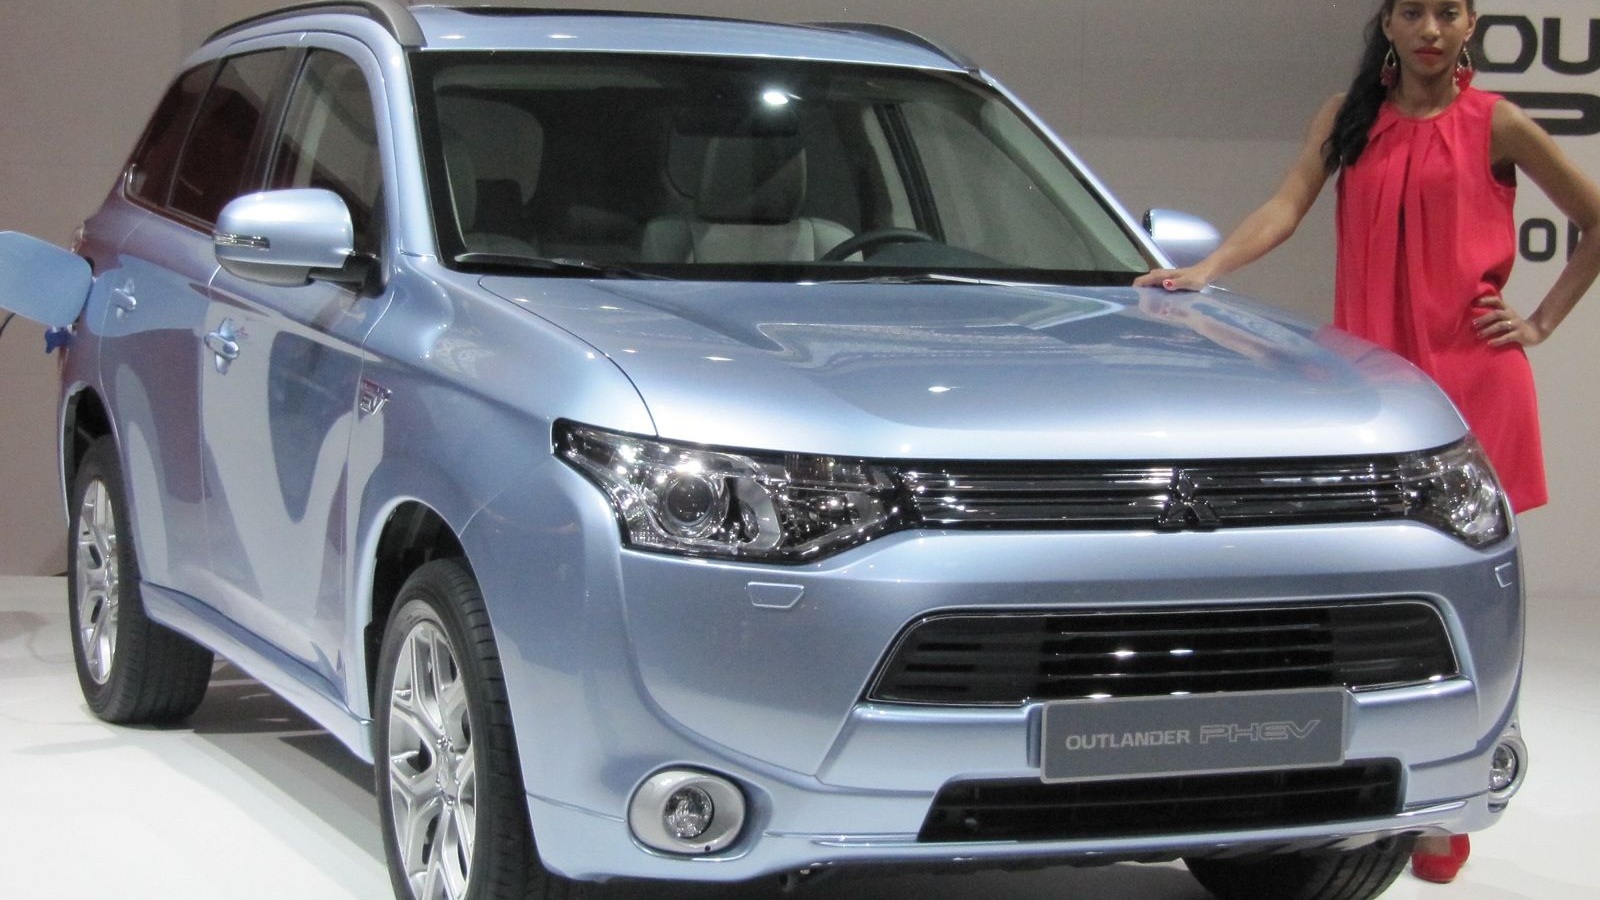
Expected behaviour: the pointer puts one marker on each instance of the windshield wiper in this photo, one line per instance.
(924, 278)
(551, 266)
(1043, 278)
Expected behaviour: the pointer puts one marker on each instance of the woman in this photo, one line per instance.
(1426, 239)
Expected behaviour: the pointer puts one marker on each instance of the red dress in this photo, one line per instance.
(1425, 229)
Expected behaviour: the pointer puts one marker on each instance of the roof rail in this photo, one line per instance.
(904, 36)
(394, 15)
(535, 7)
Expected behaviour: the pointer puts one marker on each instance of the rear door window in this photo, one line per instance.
(216, 163)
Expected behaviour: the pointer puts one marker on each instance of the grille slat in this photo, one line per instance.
(1232, 672)
(1028, 809)
(991, 659)
(1207, 495)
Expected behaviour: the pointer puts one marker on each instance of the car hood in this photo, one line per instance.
(981, 371)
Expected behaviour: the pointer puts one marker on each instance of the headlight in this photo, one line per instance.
(1455, 490)
(777, 508)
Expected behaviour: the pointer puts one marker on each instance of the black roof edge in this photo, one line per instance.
(394, 15)
(904, 36)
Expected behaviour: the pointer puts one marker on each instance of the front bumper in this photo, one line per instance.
(587, 845)
(620, 664)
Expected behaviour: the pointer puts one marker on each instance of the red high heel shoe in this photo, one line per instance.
(1441, 868)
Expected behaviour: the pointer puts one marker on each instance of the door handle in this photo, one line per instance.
(223, 345)
(124, 300)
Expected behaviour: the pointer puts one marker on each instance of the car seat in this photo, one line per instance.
(746, 208)
(492, 154)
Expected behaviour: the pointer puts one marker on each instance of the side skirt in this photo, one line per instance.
(282, 674)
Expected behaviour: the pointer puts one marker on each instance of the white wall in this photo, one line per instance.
(1193, 104)
(77, 79)
(1559, 538)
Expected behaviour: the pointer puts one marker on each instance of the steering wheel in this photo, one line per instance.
(869, 239)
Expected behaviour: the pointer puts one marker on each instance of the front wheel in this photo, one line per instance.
(449, 786)
(1359, 874)
(131, 670)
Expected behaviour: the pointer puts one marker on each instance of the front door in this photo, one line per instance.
(279, 389)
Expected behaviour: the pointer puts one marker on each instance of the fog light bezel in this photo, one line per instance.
(648, 809)
(1512, 743)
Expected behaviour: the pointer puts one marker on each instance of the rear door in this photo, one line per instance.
(199, 152)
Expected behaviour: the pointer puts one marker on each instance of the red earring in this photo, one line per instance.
(1389, 73)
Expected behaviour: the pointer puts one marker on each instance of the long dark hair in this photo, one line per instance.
(1364, 97)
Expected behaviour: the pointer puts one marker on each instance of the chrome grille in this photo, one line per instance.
(1160, 496)
(992, 659)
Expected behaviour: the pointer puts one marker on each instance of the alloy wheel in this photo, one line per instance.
(97, 581)
(432, 766)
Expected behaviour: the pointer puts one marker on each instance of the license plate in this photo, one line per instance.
(1088, 740)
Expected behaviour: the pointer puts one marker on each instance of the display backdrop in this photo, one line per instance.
(1167, 100)
(1195, 106)
(1545, 56)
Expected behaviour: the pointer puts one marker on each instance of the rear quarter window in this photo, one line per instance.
(155, 160)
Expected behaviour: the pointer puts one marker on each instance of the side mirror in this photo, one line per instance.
(41, 281)
(1185, 239)
(286, 238)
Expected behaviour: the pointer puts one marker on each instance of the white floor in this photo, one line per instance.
(249, 800)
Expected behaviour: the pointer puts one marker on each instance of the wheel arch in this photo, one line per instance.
(85, 419)
(413, 534)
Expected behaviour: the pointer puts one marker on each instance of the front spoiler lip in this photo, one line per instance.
(982, 856)
(781, 853)
(1347, 836)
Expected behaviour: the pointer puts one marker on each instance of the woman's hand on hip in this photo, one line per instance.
(1503, 326)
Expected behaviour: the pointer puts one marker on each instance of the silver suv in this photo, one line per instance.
(689, 449)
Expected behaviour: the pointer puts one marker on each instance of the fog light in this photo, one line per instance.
(689, 813)
(1503, 768)
(684, 811)
(1508, 766)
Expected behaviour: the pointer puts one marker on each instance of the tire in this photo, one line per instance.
(131, 670)
(449, 785)
(1359, 874)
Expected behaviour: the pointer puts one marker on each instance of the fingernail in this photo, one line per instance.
(1169, 284)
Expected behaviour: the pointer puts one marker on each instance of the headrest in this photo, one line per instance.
(506, 141)
(686, 155)
(752, 180)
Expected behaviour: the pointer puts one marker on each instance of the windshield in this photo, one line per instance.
(750, 169)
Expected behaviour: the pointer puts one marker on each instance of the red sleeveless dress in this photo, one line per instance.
(1425, 229)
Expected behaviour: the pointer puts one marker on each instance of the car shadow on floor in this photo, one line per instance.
(288, 756)
(237, 705)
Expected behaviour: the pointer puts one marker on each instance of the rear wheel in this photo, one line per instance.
(130, 669)
(449, 786)
(1359, 874)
